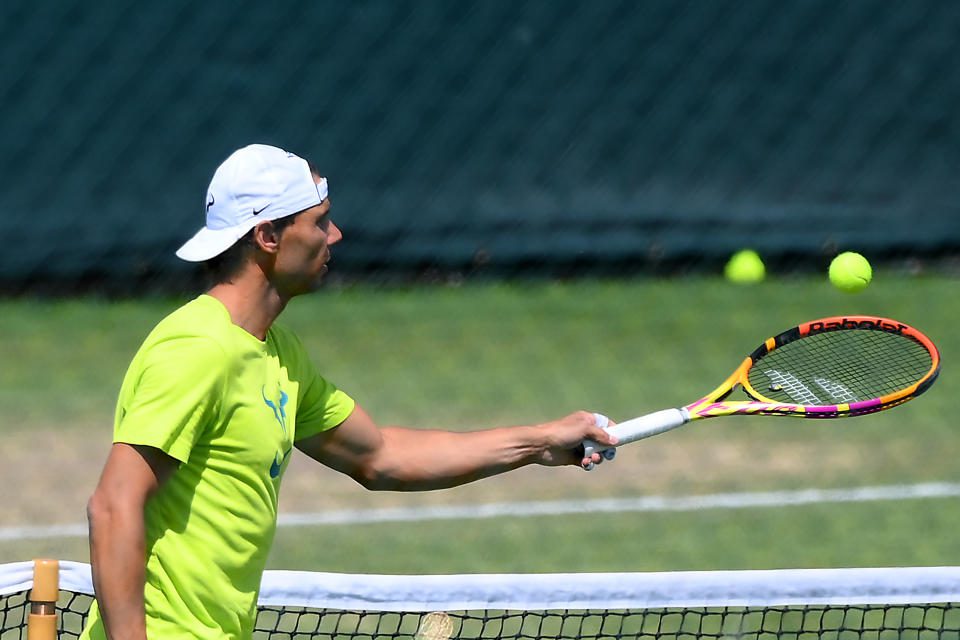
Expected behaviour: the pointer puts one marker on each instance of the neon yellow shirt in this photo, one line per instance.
(229, 408)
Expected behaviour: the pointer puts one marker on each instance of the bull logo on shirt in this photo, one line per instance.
(278, 406)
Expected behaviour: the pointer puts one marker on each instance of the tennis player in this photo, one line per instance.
(216, 398)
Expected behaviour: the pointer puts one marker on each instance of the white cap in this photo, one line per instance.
(255, 183)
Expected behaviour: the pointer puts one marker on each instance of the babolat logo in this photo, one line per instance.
(877, 324)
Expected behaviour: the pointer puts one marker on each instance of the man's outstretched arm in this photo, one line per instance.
(403, 459)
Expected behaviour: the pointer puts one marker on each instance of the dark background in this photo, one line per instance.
(509, 139)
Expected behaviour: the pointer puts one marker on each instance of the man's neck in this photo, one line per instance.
(253, 303)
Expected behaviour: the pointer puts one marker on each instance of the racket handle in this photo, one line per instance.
(639, 428)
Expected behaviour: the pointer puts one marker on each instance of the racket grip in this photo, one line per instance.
(642, 427)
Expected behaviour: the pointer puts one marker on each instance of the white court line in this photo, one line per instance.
(561, 507)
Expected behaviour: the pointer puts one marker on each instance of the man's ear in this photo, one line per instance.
(265, 237)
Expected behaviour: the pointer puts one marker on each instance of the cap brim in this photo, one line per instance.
(209, 243)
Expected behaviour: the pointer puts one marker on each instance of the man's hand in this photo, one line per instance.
(565, 439)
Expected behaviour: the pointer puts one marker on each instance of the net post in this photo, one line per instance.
(42, 619)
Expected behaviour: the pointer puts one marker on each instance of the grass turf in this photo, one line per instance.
(480, 355)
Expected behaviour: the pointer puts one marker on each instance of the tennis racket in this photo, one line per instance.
(829, 368)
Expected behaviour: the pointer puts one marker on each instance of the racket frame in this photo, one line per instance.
(715, 403)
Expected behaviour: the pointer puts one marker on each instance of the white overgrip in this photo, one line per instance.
(649, 425)
(639, 428)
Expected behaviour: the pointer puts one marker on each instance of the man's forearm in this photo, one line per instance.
(117, 558)
(421, 460)
(405, 459)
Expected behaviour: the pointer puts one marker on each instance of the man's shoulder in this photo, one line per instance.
(288, 346)
(282, 334)
(209, 311)
(197, 327)
(202, 317)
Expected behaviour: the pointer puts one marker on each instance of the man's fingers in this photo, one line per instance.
(602, 437)
(604, 423)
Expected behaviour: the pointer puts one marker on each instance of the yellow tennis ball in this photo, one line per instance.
(745, 267)
(850, 272)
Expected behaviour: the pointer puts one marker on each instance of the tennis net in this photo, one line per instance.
(920, 603)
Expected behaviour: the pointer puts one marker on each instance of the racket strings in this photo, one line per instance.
(840, 367)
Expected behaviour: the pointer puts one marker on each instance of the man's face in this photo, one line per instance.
(304, 250)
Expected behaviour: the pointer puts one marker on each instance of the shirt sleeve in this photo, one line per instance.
(323, 407)
(175, 393)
